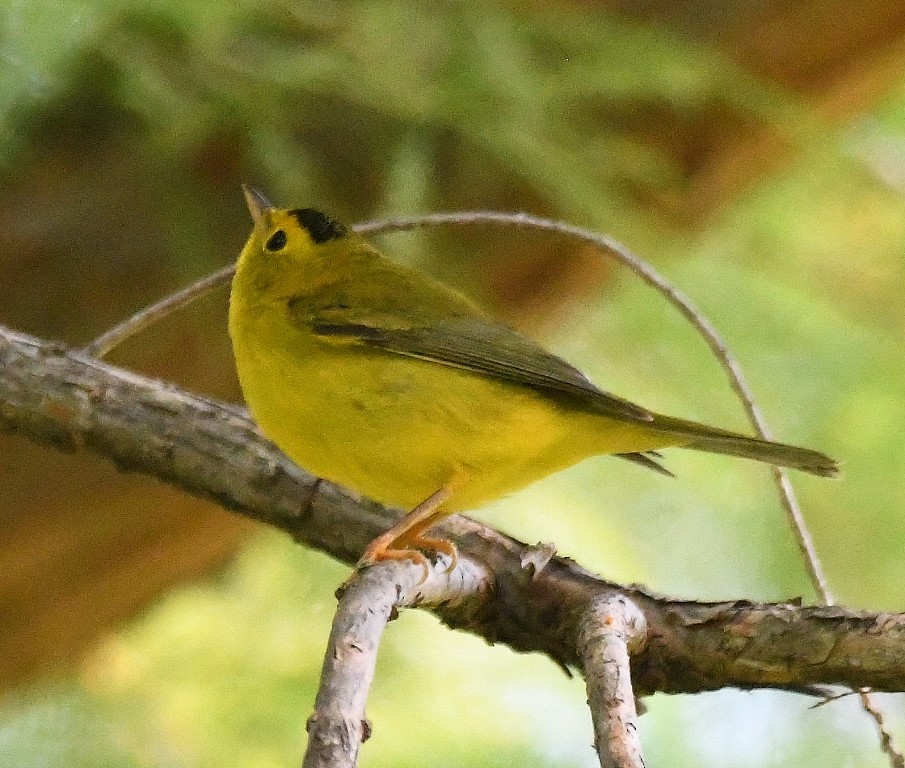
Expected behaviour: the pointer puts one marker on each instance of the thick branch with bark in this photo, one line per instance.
(58, 396)
(502, 590)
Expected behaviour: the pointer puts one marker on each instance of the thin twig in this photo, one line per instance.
(611, 630)
(869, 704)
(368, 601)
(649, 275)
(146, 317)
(133, 325)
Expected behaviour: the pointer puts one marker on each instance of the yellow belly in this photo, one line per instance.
(396, 428)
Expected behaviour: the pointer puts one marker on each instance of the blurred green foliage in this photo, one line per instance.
(383, 106)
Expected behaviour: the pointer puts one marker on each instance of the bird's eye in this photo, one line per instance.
(277, 241)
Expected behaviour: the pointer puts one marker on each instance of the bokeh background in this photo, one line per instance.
(754, 152)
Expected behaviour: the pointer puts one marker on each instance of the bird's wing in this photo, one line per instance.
(483, 347)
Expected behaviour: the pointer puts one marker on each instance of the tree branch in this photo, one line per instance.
(58, 396)
(611, 630)
(367, 602)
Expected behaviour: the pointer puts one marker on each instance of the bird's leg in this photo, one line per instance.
(415, 541)
(404, 541)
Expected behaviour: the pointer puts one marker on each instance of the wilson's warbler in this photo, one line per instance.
(379, 378)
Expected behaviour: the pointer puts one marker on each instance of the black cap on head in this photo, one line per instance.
(320, 226)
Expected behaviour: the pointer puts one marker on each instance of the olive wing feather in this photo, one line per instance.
(489, 349)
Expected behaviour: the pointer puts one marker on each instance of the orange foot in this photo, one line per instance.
(409, 548)
(404, 541)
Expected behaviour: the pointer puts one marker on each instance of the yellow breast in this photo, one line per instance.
(395, 428)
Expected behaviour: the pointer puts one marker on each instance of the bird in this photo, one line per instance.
(380, 378)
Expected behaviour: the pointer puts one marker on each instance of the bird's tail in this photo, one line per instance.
(712, 440)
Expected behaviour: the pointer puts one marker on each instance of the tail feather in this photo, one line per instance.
(712, 440)
(648, 460)
(779, 454)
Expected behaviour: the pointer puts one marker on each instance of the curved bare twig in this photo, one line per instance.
(151, 314)
(145, 318)
(651, 277)
(681, 302)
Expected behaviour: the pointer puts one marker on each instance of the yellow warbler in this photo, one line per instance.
(380, 378)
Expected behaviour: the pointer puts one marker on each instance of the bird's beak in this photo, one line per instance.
(257, 203)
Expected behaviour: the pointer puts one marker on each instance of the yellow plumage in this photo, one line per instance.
(380, 378)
